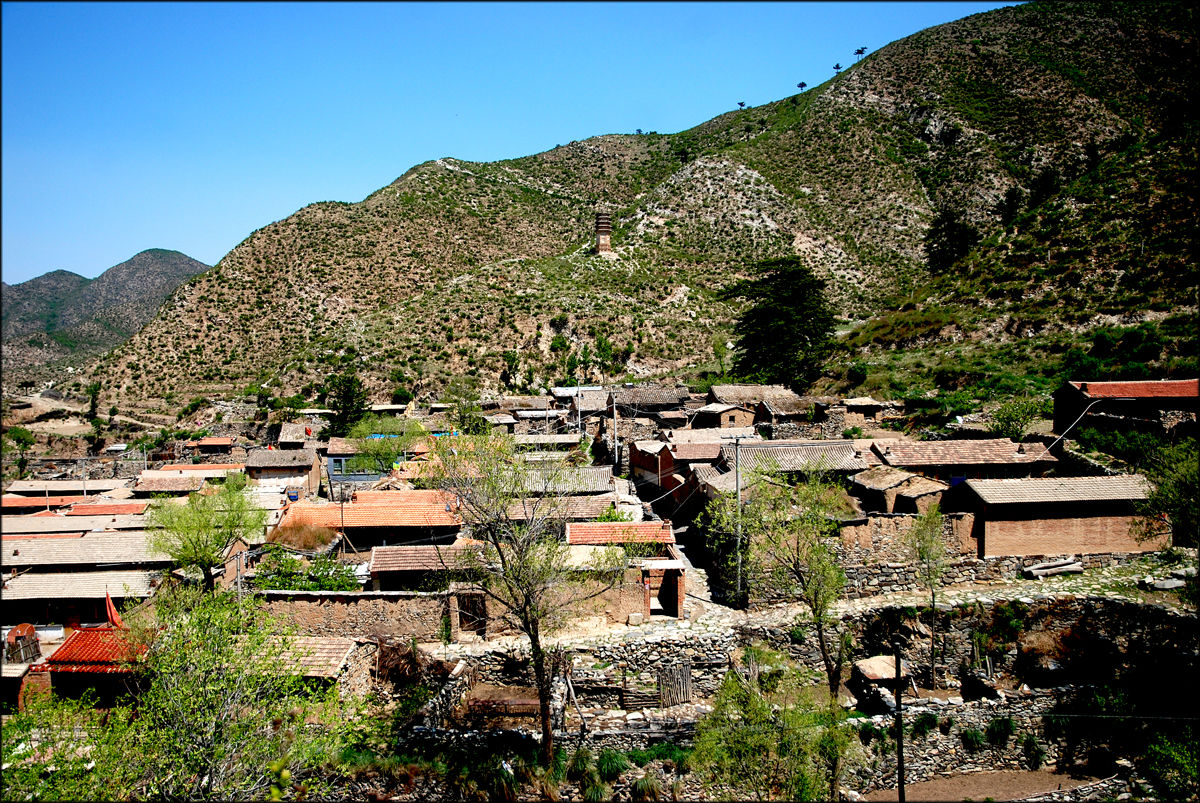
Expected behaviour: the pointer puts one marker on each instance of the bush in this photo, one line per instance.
(1000, 730)
(662, 751)
(924, 723)
(1034, 753)
(646, 788)
(610, 764)
(972, 740)
(580, 763)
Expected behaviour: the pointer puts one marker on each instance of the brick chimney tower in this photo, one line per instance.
(603, 232)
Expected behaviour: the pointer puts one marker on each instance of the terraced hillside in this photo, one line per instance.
(1053, 144)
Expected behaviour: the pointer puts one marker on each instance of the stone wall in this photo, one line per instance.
(406, 614)
(357, 678)
(943, 754)
(436, 712)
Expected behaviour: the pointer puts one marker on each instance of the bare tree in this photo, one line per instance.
(522, 562)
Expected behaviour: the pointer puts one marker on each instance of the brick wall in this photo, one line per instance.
(1072, 534)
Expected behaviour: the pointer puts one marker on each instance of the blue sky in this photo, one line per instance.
(189, 125)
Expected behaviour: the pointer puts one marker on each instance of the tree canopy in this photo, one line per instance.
(786, 332)
(382, 440)
(347, 398)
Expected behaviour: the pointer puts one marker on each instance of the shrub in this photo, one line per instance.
(580, 763)
(610, 764)
(999, 730)
(924, 723)
(597, 792)
(1034, 753)
(972, 740)
(646, 788)
(662, 751)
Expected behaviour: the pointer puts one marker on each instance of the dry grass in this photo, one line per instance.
(303, 537)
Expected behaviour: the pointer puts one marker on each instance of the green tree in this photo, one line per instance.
(198, 534)
(785, 333)
(1172, 505)
(948, 240)
(523, 564)
(1012, 419)
(462, 393)
(23, 440)
(93, 394)
(767, 738)
(346, 396)
(219, 701)
(280, 569)
(927, 547)
(382, 440)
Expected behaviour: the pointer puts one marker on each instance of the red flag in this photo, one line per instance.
(114, 618)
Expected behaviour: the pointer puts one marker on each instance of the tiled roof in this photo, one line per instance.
(880, 478)
(586, 480)
(109, 549)
(529, 415)
(590, 401)
(18, 502)
(180, 484)
(962, 452)
(211, 441)
(99, 649)
(404, 509)
(318, 656)
(18, 525)
(500, 419)
(80, 585)
(341, 446)
(862, 401)
(650, 394)
(571, 508)
(292, 432)
(718, 407)
(525, 403)
(686, 452)
(866, 449)
(421, 558)
(566, 439)
(787, 405)
(619, 532)
(1120, 488)
(712, 435)
(280, 458)
(1163, 388)
(795, 456)
(922, 486)
(204, 467)
(62, 487)
(749, 394)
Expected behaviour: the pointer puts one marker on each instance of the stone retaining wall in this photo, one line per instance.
(405, 614)
(436, 712)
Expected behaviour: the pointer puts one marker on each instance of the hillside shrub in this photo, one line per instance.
(1031, 748)
(610, 764)
(972, 740)
(1000, 730)
(925, 722)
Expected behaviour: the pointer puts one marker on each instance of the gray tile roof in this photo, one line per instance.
(749, 394)
(131, 548)
(1121, 488)
(994, 451)
(796, 456)
(35, 525)
(81, 585)
(280, 458)
(588, 480)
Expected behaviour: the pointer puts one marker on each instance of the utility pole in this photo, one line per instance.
(616, 457)
(737, 481)
(899, 726)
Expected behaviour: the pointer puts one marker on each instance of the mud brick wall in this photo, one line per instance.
(1045, 536)
(407, 614)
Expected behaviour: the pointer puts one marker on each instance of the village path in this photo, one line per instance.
(74, 425)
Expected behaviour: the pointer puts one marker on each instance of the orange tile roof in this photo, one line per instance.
(408, 509)
(16, 502)
(420, 558)
(204, 467)
(100, 649)
(619, 532)
(1163, 388)
(113, 509)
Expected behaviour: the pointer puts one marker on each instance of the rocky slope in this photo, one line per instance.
(1060, 134)
(62, 319)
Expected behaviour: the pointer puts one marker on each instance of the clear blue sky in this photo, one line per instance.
(189, 125)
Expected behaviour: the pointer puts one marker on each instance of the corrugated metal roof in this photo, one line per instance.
(620, 532)
(1163, 388)
(962, 453)
(1121, 488)
(81, 585)
(796, 456)
(19, 525)
(131, 548)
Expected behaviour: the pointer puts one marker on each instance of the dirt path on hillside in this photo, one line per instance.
(74, 424)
